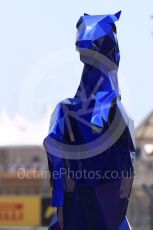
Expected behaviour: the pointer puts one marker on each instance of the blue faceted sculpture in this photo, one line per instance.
(90, 145)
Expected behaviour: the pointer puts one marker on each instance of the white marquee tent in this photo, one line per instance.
(20, 132)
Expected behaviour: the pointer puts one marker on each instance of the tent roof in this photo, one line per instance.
(20, 132)
(145, 129)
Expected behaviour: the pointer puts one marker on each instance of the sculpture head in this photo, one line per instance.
(98, 33)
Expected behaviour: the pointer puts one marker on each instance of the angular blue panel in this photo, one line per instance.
(90, 145)
(125, 225)
(118, 15)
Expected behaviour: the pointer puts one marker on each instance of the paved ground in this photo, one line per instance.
(22, 228)
(37, 228)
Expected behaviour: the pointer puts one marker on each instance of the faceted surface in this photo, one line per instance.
(90, 145)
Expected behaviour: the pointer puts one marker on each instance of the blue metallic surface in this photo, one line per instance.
(90, 146)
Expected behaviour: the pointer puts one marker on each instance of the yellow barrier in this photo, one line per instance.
(20, 211)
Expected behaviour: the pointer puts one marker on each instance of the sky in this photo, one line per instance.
(39, 65)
